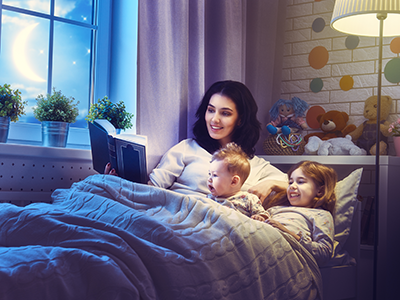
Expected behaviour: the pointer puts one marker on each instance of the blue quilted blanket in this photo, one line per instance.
(108, 238)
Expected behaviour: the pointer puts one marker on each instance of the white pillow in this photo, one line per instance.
(346, 194)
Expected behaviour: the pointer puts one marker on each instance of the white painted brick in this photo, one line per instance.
(287, 49)
(339, 43)
(353, 68)
(310, 73)
(306, 47)
(303, 22)
(352, 95)
(294, 61)
(366, 42)
(362, 54)
(392, 91)
(323, 6)
(337, 106)
(328, 32)
(362, 81)
(314, 98)
(357, 108)
(299, 10)
(289, 24)
(286, 74)
(340, 56)
(330, 83)
(297, 35)
(295, 86)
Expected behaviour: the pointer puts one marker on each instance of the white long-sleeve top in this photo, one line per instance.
(184, 168)
(315, 226)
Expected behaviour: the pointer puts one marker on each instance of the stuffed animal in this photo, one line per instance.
(287, 116)
(334, 146)
(333, 124)
(365, 135)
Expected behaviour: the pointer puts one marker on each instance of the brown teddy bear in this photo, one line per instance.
(365, 134)
(333, 124)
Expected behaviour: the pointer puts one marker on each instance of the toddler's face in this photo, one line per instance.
(302, 189)
(219, 179)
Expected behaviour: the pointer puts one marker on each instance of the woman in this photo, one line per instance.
(227, 113)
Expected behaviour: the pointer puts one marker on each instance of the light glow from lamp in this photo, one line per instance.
(359, 17)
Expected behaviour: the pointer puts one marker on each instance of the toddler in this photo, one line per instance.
(229, 169)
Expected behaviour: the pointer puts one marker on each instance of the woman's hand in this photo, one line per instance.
(109, 171)
(264, 188)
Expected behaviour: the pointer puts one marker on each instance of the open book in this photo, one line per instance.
(125, 152)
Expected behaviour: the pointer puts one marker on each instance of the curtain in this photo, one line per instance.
(186, 45)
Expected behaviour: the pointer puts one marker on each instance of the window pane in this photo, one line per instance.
(77, 10)
(42, 6)
(24, 56)
(71, 67)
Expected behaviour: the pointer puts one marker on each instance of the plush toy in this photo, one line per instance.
(333, 146)
(287, 116)
(333, 124)
(365, 134)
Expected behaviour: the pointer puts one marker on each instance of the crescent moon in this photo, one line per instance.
(19, 56)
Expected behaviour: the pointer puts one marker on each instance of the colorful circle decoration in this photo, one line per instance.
(346, 83)
(395, 45)
(392, 70)
(318, 25)
(352, 42)
(316, 85)
(312, 114)
(318, 57)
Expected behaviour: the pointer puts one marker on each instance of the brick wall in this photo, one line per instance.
(361, 63)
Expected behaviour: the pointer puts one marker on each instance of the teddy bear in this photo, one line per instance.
(333, 146)
(287, 116)
(333, 124)
(364, 135)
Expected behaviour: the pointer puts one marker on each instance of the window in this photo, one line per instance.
(68, 45)
(46, 44)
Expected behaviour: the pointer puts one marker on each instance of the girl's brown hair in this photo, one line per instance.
(322, 175)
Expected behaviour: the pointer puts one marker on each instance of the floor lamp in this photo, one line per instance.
(374, 18)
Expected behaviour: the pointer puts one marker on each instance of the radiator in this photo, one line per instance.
(31, 173)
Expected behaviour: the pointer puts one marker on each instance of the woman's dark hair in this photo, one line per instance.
(246, 133)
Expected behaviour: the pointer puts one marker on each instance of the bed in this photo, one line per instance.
(108, 238)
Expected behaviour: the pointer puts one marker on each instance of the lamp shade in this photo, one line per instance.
(359, 17)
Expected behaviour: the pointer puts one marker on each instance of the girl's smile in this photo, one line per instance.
(302, 189)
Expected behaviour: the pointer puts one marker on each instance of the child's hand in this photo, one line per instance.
(258, 217)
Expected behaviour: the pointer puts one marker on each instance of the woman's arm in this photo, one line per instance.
(264, 188)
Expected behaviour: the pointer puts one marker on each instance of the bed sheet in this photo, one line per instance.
(108, 238)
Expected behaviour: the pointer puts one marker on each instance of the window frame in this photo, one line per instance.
(29, 133)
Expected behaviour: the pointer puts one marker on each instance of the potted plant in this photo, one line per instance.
(114, 112)
(11, 108)
(56, 112)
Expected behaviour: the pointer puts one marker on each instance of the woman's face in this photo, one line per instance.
(302, 189)
(221, 118)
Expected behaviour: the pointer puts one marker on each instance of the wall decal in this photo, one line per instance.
(318, 57)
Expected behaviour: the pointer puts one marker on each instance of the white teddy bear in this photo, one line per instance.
(334, 146)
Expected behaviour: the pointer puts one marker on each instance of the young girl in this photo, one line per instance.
(305, 210)
(229, 169)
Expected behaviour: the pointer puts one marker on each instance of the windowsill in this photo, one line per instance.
(31, 134)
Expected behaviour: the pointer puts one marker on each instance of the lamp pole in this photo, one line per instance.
(381, 17)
